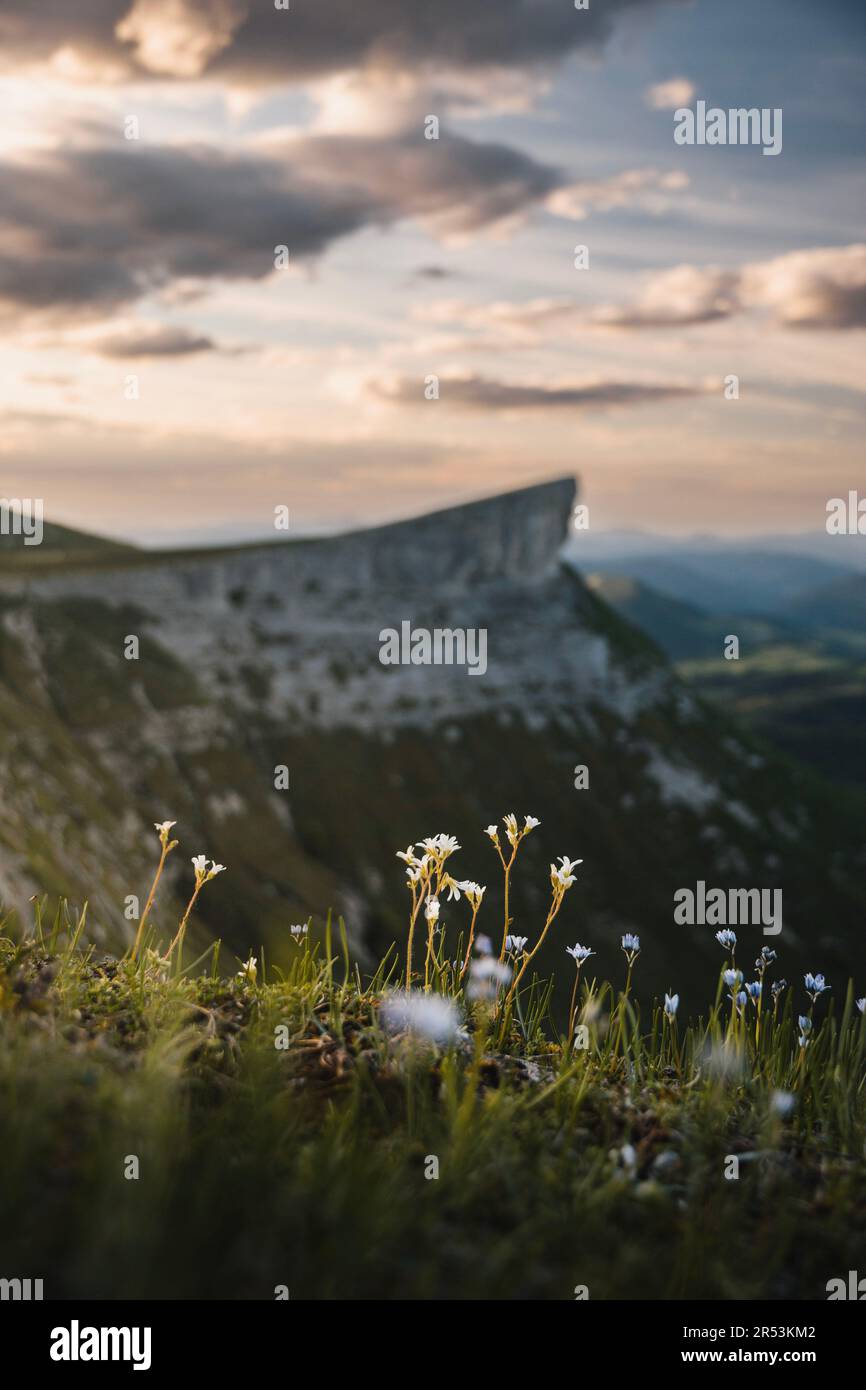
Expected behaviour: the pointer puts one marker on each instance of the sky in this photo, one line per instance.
(168, 376)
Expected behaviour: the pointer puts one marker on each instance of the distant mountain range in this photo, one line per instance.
(800, 680)
(720, 579)
(257, 658)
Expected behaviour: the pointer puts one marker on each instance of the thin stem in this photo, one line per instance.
(554, 909)
(507, 871)
(417, 899)
(181, 931)
(150, 897)
(471, 940)
(573, 1009)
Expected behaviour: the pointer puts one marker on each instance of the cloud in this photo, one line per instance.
(98, 225)
(686, 294)
(823, 288)
(668, 96)
(179, 38)
(151, 340)
(256, 43)
(631, 188)
(471, 392)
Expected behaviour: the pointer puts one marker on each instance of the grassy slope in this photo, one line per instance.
(305, 1167)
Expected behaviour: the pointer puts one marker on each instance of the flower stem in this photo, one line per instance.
(148, 905)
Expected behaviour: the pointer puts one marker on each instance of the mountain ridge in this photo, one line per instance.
(269, 659)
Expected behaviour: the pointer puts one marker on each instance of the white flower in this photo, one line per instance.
(579, 953)
(203, 874)
(428, 1016)
(672, 1003)
(530, 823)
(440, 846)
(510, 823)
(408, 855)
(782, 1103)
(299, 929)
(486, 975)
(472, 891)
(861, 1005)
(562, 876)
(163, 827)
(516, 943)
(431, 910)
(492, 831)
(453, 888)
(483, 945)
(249, 970)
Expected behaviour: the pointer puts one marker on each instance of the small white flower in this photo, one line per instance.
(453, 888)
(428, 1016)
(298, 930)
(431, 910)
(486, 975)
(439, 845)
(516, 943)
(530, 822)
(408, 854)
(510, 823)
(473, 892)
(483, 945)
(562, 875)
(672, 1003)
(492, 831)
(579, 953)
(782, 1103)
(861, 1005)
(249, 970)
(203, 874)
(163, 827)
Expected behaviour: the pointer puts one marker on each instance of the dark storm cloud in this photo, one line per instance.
(252, 41)
(94, 227)
(484, 393)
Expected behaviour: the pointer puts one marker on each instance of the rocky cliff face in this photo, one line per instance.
(268, 657)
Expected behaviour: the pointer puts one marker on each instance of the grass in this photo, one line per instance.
(314, 1130)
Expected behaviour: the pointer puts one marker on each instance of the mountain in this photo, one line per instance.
(839, 606)
(59, 545)
(682, 630)
(731, 579)
(800, 680)
(260, 657)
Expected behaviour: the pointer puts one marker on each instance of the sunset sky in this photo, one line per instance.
(410, 257)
